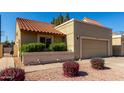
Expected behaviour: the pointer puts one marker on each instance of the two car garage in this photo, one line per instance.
(94, 40)
(94, 48)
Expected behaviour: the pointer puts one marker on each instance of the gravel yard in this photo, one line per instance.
(114, 71)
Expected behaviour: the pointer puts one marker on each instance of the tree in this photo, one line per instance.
(67, 17)
(53, 21)
(6, 43)
(56, 22)
(60, 19)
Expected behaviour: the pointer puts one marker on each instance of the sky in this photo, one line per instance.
(113, 20)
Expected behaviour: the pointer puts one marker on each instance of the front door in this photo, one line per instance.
(48, 42)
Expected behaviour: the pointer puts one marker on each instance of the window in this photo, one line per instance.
(46, 40)
(42, 39)
(63, 39)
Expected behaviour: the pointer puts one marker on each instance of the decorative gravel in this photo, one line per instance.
(86, 73)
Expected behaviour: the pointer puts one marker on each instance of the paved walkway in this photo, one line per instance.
(6, 62)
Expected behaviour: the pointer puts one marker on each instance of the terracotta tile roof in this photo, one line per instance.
(37, 26)
(91, 21)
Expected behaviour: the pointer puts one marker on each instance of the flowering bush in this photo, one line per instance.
(71, 69)
(12, 74)
(97, 63)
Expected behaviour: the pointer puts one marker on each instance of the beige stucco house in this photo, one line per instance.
(118, 45)
(86, 38)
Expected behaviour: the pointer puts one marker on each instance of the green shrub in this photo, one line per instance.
(33, 47)
(57, 47)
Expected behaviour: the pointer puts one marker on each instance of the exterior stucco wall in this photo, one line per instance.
(15, 50)
(59, 39)
(18, 35)
(28, 37)
(83, 29)
(55, 38)
(118, 45)
(68, 29)
(116, 41)
(17, 41)
(47, 57)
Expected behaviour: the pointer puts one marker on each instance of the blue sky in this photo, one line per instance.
(109, 19)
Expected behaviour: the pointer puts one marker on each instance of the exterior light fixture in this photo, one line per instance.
(78, 36)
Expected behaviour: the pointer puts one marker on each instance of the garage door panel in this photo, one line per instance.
(94, 48)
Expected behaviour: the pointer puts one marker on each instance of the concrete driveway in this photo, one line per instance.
(112, 62)
(116, 61)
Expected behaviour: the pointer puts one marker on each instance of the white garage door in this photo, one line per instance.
(94, 48)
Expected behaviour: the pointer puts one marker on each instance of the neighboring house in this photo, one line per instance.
(86, 38)
(118, 45)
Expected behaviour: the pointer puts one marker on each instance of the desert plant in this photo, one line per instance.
(12, 74)
(57, 47)
(97, 63)
(71, 69)
(32, 47)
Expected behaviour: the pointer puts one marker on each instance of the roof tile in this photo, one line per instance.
(37, 26)
(91, 21)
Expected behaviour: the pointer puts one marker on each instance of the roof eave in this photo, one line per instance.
(80, 22)
(62, 34)
(93, 24)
